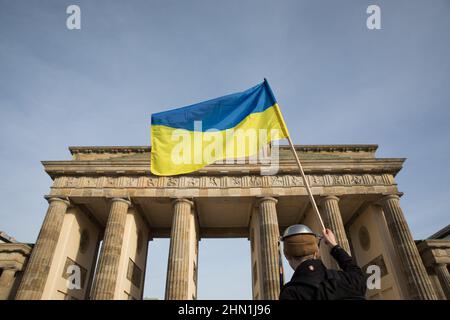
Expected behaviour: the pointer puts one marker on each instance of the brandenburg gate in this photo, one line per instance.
(105, 208)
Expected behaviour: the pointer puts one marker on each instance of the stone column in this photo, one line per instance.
(418, 284)
(178, 264)
(36, 273)
(269, 237)
(333, 220)
(6, 283)
(444, 278)
(108, 265)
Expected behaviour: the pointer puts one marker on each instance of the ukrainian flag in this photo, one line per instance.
(230, 127)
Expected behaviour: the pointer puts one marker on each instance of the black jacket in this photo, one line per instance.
(313, 281)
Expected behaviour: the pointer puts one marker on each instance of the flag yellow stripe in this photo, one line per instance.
(179, 151)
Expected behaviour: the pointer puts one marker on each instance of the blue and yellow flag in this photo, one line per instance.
(230, 127)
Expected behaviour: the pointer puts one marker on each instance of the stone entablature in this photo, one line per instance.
(435, 254)
(14, 255)
(320, 160)
(434, 251)
(125, 171)
(340, 166)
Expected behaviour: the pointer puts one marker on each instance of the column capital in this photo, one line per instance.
(185, 200)
(328, 198)
(51, 199)
(267, 198)
(10, 270)
(390, 196)
(386, 198)
(120, 199)
(11, 266)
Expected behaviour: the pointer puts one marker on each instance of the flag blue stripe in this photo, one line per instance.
(221, 113)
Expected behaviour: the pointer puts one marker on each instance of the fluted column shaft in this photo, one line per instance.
(6, 282)
(38, 267)
(269, 237)
(444, 278)
(418, 283)
(108, 265)
(178, 264)
(333, 220)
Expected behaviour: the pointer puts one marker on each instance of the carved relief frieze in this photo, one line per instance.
(276, 181)
(197, 182)
(234, 182)
(212, 182)
(172, 182)
(110, 182)
(255, 181)
(191, 182)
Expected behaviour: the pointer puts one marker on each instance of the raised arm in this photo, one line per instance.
(353, 273)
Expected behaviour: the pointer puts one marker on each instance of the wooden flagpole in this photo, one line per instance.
(286, 133)
(308, 189)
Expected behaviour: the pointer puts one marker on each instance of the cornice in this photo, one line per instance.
(335, 148)
(18, 247)
(321, 159)
(433, 244)
(139, 167)
(109, 149)
(302, 148)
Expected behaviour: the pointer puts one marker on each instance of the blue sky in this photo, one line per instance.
(335, 80)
